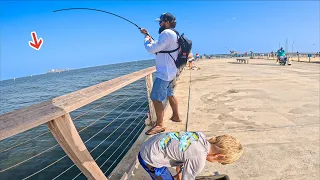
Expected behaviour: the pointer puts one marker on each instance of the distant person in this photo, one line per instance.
(280, 53)
(190, 60)
(251, 54)
(188, 152)
(166, 69)
(197, 56)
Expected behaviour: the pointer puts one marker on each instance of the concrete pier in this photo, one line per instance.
(273, 110)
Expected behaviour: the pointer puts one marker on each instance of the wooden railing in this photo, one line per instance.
(55, 113)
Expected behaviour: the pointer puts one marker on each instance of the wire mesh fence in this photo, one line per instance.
(108, 127)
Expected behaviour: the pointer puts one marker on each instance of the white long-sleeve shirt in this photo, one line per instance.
(165, 66)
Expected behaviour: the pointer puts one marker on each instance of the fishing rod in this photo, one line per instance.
(229, 49)
(187, 122)
(91, 9)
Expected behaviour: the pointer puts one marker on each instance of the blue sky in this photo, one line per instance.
(78, 39)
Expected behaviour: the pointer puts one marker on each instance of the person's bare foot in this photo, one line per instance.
(155, 130)
(175, 119)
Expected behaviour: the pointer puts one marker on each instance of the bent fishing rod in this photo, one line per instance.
(91, 9)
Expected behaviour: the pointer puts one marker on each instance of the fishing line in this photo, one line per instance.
(187, 122)
(91, 9)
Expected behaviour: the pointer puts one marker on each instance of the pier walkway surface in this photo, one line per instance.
(273, 110)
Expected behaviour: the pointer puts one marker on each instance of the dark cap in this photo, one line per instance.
(166, 17)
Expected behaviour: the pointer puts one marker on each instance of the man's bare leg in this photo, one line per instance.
(158, 106)
(174, 106)
(158, 128)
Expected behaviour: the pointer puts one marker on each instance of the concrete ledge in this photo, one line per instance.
(126, 166)
(273, 110)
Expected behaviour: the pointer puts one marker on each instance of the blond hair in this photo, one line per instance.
(228, 146)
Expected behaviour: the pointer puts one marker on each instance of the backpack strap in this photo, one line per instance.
(169, 51)
(178, 36)
(176, 32)
(172, 58)
(174, 49)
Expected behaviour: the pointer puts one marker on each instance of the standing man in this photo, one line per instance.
(166, 69)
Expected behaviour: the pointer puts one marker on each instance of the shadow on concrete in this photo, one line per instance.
(261, 64)
(265, 64)
(235, 63)
(317, 62)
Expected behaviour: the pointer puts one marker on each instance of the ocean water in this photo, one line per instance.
(109, 126)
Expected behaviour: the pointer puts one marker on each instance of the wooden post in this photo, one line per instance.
(149, 84)
(298, 58)
(69, 139)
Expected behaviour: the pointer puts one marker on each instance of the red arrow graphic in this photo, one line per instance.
(35, 44)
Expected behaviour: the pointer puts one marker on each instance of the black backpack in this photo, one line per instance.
(185, 46)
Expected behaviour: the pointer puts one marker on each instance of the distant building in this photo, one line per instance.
(57, 70)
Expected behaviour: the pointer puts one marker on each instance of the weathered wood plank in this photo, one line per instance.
(29, 117)
(69, 139)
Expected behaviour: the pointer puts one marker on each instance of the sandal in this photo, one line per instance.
(155, 130)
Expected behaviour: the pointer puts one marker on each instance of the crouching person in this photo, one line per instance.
(188, 152)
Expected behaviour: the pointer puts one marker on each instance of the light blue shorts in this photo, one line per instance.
(161, 89)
